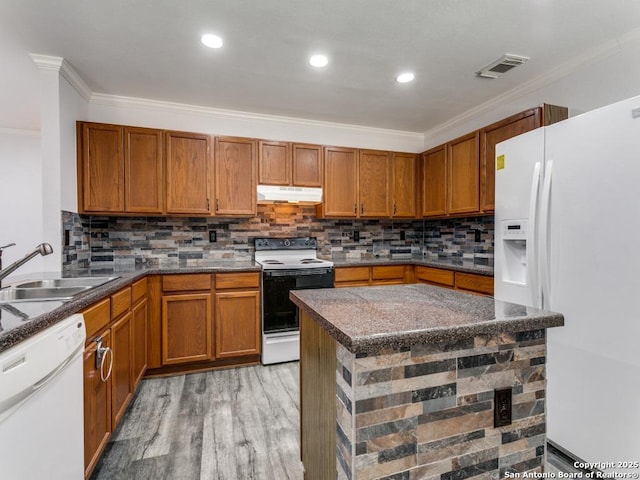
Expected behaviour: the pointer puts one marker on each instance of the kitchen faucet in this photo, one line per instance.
(42, 249)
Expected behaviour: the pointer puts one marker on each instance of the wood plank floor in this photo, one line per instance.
(222, 425)
(245, 420)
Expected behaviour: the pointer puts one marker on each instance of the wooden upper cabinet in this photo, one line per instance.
(404, 184)
(374, 183)
(434, 182)
(274, 163)
(340, 182)
(144, 189)
(188, 170)
(235, 176)
(102, 167)
(503, 130)
(307, 165)
(463, 174)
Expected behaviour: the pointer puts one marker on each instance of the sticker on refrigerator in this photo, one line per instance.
(500, 162)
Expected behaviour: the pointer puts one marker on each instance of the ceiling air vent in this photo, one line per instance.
(502, 65)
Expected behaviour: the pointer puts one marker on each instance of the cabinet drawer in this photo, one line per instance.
(435, 275)
(120, 302)
(237, 280)
(474, 283)
(138, 290)
(388, 272)
(177, 283)
(352, 274)
(97, 317)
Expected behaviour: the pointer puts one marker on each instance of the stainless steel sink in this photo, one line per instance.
(65, 282)
(12, 295)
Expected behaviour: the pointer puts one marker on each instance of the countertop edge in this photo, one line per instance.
(372, 343)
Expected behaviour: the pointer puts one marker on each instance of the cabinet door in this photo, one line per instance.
(121, 387)
(340, 182)
(489, 137)
(237, 324)
(374, 175)
(307, 165)
(97, 405)
(139, 330)
(102, 163)
(274, 163)
(404, 185)
(235, 174)
(144, 177)
(463, 176)
(188, 170)
(186, 328)
(434, 182)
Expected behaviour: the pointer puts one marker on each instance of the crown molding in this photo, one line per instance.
(220, 113)
(19, 131)
(59, 64)
(591, 56)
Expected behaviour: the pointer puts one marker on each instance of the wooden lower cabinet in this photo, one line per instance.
(404, 274)
(97, 405)
(237, 324)
(121, 386)
(139, 327)
(373, 275)
(186, 328)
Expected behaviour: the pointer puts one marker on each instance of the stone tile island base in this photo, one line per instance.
(423, 411)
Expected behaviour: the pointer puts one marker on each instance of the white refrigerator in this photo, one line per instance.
(567, 239)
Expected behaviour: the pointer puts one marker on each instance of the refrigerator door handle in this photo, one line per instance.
(545, 207)
(532, 270)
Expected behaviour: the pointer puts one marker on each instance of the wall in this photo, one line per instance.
(125, 242)
(597, 78)
(20, 195)
(166, 115)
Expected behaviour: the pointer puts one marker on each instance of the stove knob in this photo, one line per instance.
(287, 243)
(266, 243)
(313, 243)
(306, 243)
(258, 243)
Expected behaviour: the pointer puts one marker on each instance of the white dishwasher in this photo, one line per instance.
(41, 419)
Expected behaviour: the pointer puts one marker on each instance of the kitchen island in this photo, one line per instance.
(402, 381)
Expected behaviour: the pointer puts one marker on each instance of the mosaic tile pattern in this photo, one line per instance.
(427, 411)
(126, 241)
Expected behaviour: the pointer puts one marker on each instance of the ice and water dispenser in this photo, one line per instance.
(514, 249)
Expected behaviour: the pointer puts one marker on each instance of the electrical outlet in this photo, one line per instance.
(502, 407)
(477, 236)
(356, 236)
(67, 238)
(402, 235)
(212, 236)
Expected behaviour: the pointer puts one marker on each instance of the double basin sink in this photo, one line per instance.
(57, 289)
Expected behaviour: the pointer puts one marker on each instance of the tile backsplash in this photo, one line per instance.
(99, 241)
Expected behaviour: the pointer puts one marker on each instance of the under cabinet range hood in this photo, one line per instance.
(274, 193)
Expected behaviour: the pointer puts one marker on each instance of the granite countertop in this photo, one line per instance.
(368, 319)
(456, 264)
(21, 320)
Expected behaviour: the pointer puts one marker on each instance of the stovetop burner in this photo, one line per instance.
(288, 253)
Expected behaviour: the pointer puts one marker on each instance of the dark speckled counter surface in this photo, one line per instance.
(456, 264)
(21, 320)
(368, 319)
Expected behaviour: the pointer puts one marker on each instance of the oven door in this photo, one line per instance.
(279, 314)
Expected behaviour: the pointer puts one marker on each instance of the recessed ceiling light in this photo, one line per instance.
(405, 77)
(211, 41)
(318, 60)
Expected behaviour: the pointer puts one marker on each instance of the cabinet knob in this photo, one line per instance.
(394, 208)
(362, 208)
(355, 208)
(217, 204)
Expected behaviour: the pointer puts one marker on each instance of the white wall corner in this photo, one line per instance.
(59, 64)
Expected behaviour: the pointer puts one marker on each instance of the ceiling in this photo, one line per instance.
(151, 49)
